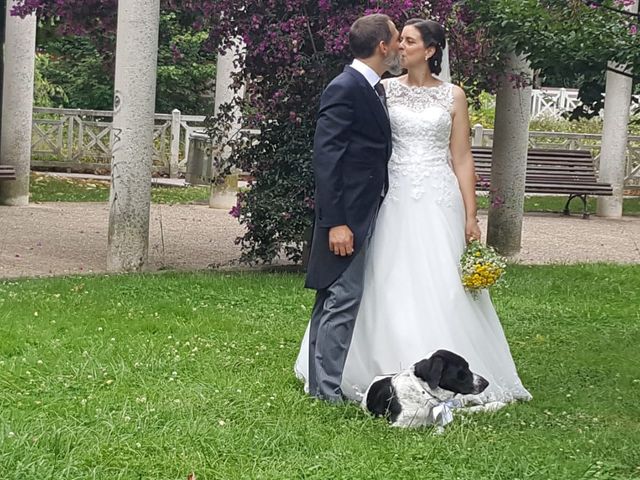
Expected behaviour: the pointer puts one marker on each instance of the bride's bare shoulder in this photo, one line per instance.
(458, 93)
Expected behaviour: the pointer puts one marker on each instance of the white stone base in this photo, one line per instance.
(224, 196)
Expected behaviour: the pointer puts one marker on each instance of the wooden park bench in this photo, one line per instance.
(7, 172)
(567, 172)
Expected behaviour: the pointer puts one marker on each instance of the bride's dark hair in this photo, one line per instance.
(432, 34)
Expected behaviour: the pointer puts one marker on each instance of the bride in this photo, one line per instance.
(413, 301)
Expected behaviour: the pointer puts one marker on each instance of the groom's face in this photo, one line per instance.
(392, 57)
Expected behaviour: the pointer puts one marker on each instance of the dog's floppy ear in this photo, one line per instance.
(430, 370)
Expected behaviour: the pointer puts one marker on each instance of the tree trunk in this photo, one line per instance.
(17, 105)
(509, 159)
(133, 120)
(615, 132)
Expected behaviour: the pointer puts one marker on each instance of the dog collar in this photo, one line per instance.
(442, 411)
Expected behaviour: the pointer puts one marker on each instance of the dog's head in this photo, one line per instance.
(449, 371)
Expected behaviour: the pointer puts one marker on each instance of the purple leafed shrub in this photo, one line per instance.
(293, 49)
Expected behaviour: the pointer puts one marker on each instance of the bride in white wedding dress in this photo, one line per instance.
(413, 301)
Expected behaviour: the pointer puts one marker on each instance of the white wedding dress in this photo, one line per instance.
(414, 302)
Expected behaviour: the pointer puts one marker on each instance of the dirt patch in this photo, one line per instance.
(71, 238)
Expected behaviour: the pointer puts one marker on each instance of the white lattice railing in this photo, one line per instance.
(573, 141)
(83, 138)
(553, 102)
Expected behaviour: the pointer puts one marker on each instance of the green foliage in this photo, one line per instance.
(46, 93)
(483, 111)
(563, 39)
(282, 207)
(84, 74)
(581, 125)
(83, 68)
(157, 376)
(186, 70)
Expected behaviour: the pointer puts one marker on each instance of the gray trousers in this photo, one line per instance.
(332, 322)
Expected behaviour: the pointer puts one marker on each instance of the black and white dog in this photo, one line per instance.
(421, 395)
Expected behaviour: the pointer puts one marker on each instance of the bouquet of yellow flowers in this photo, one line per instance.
(481, 266)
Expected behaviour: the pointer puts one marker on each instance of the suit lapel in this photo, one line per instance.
(372, 101)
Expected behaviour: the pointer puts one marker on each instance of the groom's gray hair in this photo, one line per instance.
(367, 32)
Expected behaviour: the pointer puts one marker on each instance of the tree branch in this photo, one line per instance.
(598, 3)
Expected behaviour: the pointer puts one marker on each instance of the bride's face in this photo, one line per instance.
(412, 50)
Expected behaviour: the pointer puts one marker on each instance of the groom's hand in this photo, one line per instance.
(341, 240)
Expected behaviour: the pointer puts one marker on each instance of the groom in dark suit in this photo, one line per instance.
(351, 148)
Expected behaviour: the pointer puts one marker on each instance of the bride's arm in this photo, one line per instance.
(462, 161)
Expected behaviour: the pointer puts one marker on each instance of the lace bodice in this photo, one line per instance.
(421, 129)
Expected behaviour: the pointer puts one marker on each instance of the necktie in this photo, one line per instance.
(379, 88)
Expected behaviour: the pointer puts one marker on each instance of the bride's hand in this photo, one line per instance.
(472, 230)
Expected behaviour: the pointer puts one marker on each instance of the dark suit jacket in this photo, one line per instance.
(351, 148)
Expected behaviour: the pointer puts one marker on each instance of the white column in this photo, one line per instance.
(509, 159)
(17, 105)
(133, 120)
(224, 195)
(478, 134)
(175, 143)
(615, 131)
(224, 70)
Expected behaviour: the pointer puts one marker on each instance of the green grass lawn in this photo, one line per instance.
(631, 205)
(156, 376)
(56, 189)
(45, 188)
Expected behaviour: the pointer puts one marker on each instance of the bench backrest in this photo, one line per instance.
(7, 172)
(547, 164)
(549, 171)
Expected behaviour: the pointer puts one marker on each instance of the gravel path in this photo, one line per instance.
(71, 238)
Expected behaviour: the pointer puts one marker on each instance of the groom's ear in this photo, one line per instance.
(382, 47)
(430, 370)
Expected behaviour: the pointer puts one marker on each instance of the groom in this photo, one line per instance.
(351, 149)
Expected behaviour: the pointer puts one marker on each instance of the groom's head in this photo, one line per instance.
(375, 37)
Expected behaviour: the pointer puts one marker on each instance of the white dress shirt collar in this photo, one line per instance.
(372, 77)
